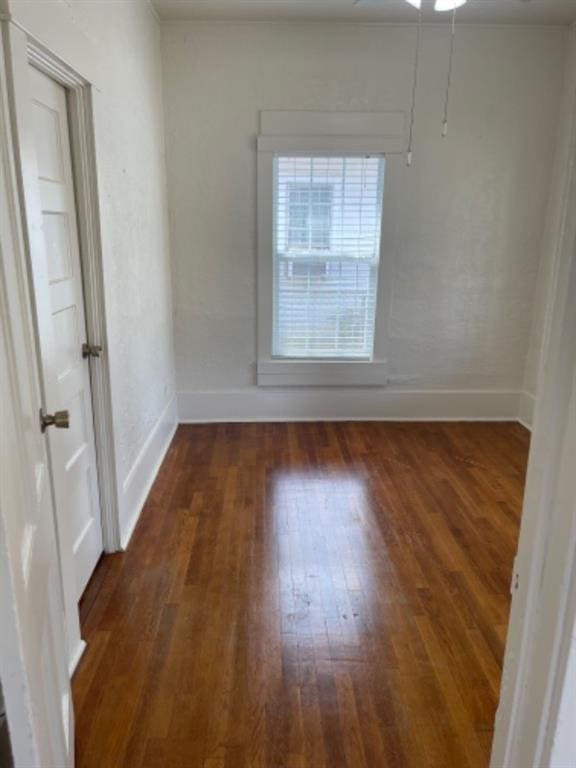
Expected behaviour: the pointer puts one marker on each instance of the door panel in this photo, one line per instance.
(72, 450)
(57, 234)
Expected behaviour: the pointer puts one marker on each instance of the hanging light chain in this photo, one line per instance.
(414, 88)
(449, 79)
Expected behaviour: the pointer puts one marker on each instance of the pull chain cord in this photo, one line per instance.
(414, 87)
(449, 81)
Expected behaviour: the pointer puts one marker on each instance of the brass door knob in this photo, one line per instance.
(58, 419)
(91, 350)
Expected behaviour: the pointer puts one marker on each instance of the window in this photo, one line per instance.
(320, 209)
(327, 222)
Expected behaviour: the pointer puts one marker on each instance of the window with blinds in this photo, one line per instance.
(327, 224)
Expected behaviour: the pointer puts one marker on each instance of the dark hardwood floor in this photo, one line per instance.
(307, 596)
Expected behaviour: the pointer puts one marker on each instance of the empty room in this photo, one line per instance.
(287, 383)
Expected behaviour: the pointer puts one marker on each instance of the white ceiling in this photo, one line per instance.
(487, 11)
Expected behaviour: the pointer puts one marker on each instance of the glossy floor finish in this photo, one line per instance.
(308, 596)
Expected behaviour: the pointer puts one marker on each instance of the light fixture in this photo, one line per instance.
(414, 87)
(449, 78)
(440, 6)
(446, 5)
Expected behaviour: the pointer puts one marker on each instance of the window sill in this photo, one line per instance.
(322, 373)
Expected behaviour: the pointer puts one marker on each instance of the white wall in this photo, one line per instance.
(116, 46)
(551, 236)
(463, 226)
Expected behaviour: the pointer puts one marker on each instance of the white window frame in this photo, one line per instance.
(313, 134)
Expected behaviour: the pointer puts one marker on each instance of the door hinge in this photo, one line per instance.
(515, 583)
(91, 350)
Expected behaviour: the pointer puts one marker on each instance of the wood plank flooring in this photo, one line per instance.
(307, 596)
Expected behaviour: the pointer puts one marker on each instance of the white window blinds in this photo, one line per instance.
(327, 223)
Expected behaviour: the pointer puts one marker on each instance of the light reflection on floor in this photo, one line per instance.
(326, 561)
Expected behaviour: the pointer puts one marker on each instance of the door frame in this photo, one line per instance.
(84, 169)
(543, 615)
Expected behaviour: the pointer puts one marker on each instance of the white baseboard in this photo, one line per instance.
(139, 480)
(347, 405)
(309, 405)
(75, 656)
(526, 405)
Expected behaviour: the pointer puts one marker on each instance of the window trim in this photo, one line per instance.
(321, 373)
(312, 134)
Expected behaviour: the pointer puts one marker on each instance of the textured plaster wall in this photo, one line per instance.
(463, 227)
(116, 46)
(135, 223)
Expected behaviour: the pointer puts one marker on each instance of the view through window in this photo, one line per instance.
(327, 224)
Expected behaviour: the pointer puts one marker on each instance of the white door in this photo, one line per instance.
(34, 666)
(72, 450)
(33, 656)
